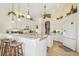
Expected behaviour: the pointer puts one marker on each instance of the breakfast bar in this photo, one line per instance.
(33, 44)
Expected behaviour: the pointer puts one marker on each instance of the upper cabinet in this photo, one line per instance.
(69, 26)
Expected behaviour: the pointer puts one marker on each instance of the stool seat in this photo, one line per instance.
(15, 44)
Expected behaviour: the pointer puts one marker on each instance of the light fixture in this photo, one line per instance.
(12, 21)
(28, 16)
(19, 12)
(45, 13)
(45, 9)
(19, 19)
(12, 12)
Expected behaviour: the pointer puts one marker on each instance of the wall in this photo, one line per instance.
(4, 19)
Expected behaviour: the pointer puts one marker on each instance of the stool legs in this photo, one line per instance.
(6, 49)
(20, 52)
(12, 51)
(16, 51)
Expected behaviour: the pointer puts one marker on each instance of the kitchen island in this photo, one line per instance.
(33, 44)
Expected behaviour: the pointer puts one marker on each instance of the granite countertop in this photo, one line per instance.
(31, 35)
(27, 34)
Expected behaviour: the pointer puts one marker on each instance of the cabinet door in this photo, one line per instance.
(50, 40)
(69, 25)
(70, 43)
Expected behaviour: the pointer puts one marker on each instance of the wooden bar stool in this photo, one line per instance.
(5, 47)
(0, 47)
(0, 44)
(20, 52)
(16, 49)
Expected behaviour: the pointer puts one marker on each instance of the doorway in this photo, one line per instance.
(47, 27)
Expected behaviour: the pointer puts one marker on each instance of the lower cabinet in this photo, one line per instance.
(50, 41)
(57, 37)
(70, 43)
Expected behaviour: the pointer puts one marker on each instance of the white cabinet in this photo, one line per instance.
(70, 43)
(57, 37)
(69, 36)
(50, 40)
(70, 29)
(33, 47)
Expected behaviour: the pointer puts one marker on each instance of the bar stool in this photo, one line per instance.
(16, 49)
(5, 47)
(20, 52)
(0, 46)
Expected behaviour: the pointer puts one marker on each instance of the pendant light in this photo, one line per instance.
(20, 15)
(45, 9)
(19, 12)
(28, 13)
(12, 21)
(44, 15)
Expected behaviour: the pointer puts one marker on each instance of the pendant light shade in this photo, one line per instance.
(28, 16)
(19, 19)
(12, 21)
(45, 13)
(45, 9)
(12, 12)
(19, 15)
(19, 12)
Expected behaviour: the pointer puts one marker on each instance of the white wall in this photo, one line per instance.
(4, 20)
